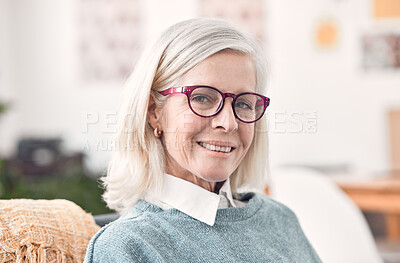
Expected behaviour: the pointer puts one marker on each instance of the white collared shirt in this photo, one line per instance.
(192, 199)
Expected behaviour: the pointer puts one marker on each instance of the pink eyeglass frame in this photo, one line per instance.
(187, 90)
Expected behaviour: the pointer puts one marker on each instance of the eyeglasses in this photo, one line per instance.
(207, 102)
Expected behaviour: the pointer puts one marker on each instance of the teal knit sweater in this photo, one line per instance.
(263, 230)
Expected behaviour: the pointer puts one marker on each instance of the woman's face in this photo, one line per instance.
(185, 134)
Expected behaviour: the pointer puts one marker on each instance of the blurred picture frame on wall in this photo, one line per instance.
(381, 51)
(384, 9)
(110, 36)
(247, 15)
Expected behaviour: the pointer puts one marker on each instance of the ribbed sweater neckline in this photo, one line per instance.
(231, 214)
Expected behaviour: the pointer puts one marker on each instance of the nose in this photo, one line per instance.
(225, 119)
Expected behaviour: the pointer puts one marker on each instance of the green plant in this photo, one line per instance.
(72, 185)
(3, 107)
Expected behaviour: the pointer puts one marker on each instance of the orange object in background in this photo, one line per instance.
(326, 34)
(387, 8)
(394, 135)
(379, 195)
(266, 190)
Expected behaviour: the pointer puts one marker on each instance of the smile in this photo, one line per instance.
(215, 148)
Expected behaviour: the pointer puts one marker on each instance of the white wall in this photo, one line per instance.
(7, 92)
(48, 97)
(351, 104)
(49, 100)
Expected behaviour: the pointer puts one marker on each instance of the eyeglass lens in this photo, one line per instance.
(207, 102)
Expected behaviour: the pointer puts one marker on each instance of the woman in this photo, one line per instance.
(191, 133)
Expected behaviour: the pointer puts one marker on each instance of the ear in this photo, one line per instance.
(154, 114)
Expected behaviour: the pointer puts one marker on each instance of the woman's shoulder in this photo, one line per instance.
(123, 239)
(110, 241)
(129, 226)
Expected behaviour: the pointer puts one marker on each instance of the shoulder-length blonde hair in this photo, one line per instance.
(138, 164)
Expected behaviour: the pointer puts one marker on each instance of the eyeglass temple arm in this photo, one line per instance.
(171, 91)
(262, 102)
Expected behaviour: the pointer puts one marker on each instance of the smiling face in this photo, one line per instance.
(207, 149)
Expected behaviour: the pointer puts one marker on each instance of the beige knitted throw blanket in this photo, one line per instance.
(44, 231)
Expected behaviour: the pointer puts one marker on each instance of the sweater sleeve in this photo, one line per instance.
(112, 244)
(103, 249)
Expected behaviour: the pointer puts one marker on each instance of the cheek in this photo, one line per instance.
(247, 135)
(180, 130)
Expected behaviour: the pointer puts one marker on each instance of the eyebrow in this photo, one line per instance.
(215, 87)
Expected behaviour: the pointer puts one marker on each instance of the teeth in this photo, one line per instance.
(215, 148)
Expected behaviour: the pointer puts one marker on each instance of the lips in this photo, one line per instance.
(216, 147)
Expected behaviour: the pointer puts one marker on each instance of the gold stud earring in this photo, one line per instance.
(157, 133)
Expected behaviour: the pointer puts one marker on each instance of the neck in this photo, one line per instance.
(209, 186)
(187, 176)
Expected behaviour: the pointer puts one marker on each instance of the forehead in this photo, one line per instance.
(226, 71)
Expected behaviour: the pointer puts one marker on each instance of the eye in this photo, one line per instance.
(200, 98)
(243, 105)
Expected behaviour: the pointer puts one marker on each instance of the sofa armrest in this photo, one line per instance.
(104, 219)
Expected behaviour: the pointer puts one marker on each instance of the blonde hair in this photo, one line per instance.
(139, 162)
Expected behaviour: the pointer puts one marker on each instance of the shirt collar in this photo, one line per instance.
(191, 199)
